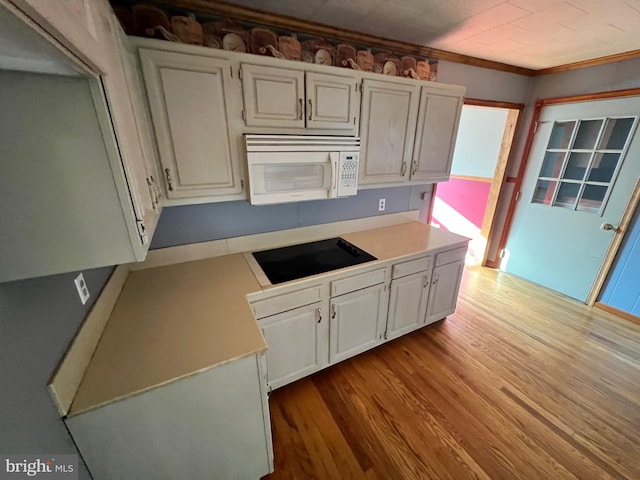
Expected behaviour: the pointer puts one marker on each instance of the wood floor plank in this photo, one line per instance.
(521, 382)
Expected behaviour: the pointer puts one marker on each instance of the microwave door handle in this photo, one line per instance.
(333, 189)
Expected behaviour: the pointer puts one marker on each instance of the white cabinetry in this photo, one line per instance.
(296, 328)
(408, 297)
(194, 105)
(275, 97)
(297, 343)
(406, 140)
(202, 426)
(357, 321)
(388, 125)
(438, 119)
(81, 194)
(445, 284)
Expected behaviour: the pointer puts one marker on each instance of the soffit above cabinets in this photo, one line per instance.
(535, 34)
(23, 49)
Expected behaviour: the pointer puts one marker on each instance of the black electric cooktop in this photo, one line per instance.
(298, 261)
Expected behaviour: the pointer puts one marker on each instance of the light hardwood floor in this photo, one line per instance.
(520, 383)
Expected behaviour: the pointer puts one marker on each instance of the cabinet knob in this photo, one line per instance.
(300, 109)
(310, 109)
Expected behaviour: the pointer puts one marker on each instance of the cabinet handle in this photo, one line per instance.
(310, 109)
(435, 279)
(169, 180)
(153, 192)
(319, 315)
(426, 282)
(300, 107)
(404, 168)
(414, 167)
(333, 310)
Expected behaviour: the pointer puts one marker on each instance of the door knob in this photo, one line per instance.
(608, 226)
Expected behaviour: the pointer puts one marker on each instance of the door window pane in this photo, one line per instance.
(567, 195)
(587, 134)
(561, 134)
(577, 166)
(592, 198)
(604, 164)
(544, 192)
(552, 164)
(615, 133)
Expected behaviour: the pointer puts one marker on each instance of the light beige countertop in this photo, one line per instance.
(173, 321)
(170, 322)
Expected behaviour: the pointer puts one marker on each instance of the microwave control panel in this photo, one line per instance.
(348, 174)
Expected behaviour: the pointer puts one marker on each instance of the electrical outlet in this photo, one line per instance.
(81, 286)
(382, 204)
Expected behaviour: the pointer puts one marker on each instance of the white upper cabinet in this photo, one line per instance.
(388, 125)
(438, 119)
(195, 107)
(332, 103)
(273, 97)
(79, 25)
(277, 98)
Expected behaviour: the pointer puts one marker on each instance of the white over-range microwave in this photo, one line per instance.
(293, 168)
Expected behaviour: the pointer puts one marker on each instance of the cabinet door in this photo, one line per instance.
(438, 120)
(445, 284)
(133, 129)
(80, 25)
(297, 343)
(273, 97)
(357, 322)
(407, 303)
(193, 101)
(388, 124)
(332, 102)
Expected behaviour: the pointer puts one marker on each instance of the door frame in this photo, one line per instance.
(505, 158)
(515, 196)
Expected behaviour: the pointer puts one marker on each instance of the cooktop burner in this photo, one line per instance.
(299, 261)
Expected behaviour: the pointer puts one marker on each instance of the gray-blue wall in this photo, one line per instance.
(214, 221)
(38, 319)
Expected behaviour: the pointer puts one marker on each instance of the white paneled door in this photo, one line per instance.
(583, 166)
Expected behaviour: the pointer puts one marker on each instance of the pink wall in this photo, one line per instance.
(467, 197)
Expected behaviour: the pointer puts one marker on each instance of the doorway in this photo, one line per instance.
(467, 203)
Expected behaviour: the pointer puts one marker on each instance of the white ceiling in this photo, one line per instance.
(528, 33)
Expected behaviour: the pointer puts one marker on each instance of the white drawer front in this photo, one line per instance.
(413, 266)
(357, 282)
(451, 256)
(287, 301)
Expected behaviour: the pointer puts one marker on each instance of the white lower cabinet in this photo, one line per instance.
(407, 304)
(357, 321)
(297, 343)
(213, 424)
(445, 285)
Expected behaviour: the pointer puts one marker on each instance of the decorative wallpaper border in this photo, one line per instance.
(198, 28)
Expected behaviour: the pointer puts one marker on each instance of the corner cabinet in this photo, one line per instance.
(195, 105)
(276, 97)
